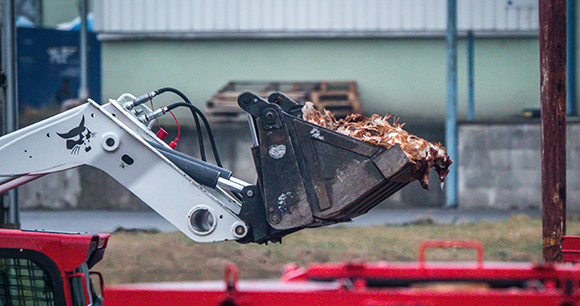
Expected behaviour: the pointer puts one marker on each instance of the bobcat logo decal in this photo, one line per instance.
(77, 137)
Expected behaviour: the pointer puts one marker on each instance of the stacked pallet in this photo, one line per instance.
(339, 97)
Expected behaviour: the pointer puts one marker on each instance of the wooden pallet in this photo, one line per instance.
(341, 98)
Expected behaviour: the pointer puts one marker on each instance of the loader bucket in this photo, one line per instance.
(310, 175)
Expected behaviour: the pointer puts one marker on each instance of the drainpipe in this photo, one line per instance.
(9, 217)
(83, 90)
(451, 120)
(470, 78)
(571, 108)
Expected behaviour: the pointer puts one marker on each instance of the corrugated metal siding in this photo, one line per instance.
(284, 17)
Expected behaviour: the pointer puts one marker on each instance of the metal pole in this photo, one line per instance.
(470, 78)
(572, 109)
(9, 217)
(83, 90)
(553, 97)
(451, 120)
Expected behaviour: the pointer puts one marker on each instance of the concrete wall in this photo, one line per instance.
(501, 165)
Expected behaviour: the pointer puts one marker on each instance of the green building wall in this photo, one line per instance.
(58, 11)
(405, 76)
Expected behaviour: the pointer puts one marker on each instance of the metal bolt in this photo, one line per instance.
(110, 142)
(246, 100)
(240, 230)
(275, 218)
(270, 117)
(250, 193)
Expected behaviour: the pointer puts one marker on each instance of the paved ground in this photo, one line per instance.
(109, 221)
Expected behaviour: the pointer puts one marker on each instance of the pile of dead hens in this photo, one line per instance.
(378, 130)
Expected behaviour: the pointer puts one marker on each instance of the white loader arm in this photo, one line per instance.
(112, 139)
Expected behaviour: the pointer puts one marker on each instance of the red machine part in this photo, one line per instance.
(66, 251)
(375, 284)
(571, 249)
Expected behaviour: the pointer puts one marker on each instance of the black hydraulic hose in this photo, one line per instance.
(175, 91)
(169, 153)
(196, 110)
(195, 118)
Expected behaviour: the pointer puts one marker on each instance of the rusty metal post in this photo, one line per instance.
(553, 98)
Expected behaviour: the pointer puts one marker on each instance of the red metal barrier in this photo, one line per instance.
(447, 244)
(359, 283)
(571, 249)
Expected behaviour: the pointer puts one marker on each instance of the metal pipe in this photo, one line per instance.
(470, 77)
(240, 182)
(83, 89)
(571, 108)
(451, 120)
(21, 180)
(253, 132)
(553, 112)
(229, 185)
(10, 216)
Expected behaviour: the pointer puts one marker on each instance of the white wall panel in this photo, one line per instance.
(300, 12)
(535, 23)
(373, 15)
(358, 8)
(477, 13)
(406, 14)
(419, 15)
(284, 17)
(512, 19)
(489, 10)
(434, 15)
(325, 19)
(500, 17)
(396, 22)
(311, 11)
(348, 18)
(383, 10)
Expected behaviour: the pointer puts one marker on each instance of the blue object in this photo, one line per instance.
(22, 21)
(49, 67)
(571, 108)
(451, 119)
(470, 77)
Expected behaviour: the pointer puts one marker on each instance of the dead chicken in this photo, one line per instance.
(377, 130)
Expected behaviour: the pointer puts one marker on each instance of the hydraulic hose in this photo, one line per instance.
(198, 112)
(193, 113)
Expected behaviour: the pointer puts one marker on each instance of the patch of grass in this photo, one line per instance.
(151, 257)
